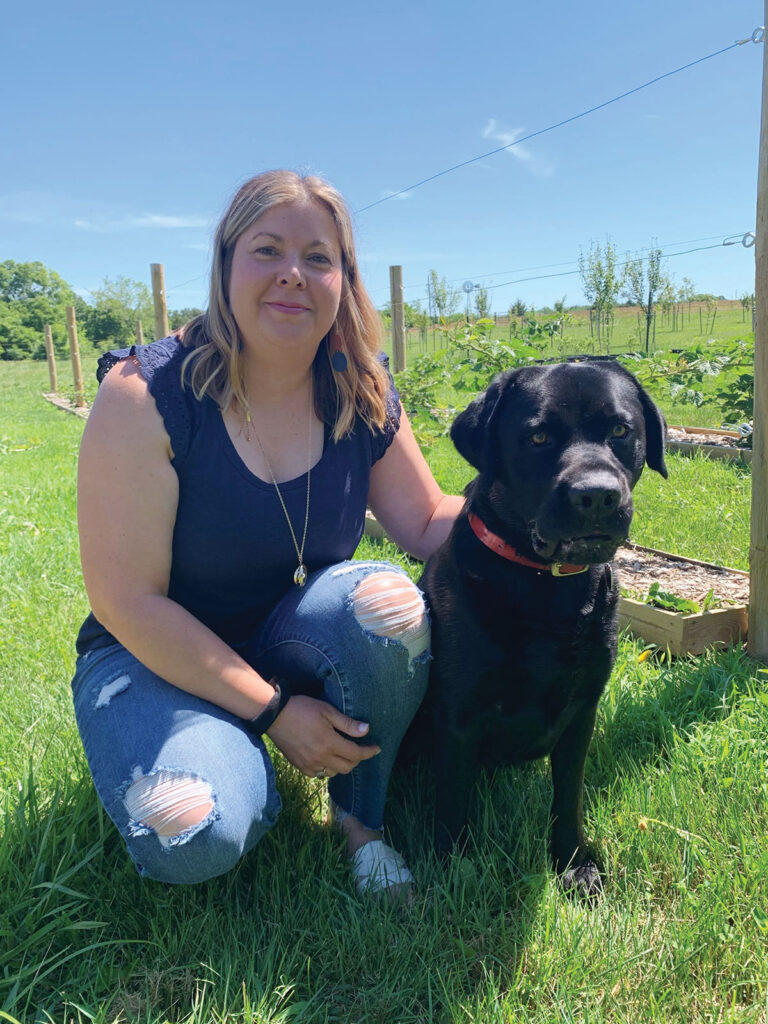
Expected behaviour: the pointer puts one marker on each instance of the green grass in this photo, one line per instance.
(676, 801)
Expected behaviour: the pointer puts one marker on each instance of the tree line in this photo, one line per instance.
(32, 295)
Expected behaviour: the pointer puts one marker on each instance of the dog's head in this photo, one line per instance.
(559, 449)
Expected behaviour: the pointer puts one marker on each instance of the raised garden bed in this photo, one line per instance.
(640, 567)
(712, 442)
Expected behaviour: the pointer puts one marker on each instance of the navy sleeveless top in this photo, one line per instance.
(233, 557)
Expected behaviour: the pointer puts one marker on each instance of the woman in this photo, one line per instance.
(223, 478)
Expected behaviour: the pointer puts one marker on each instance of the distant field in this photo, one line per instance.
(689, 327)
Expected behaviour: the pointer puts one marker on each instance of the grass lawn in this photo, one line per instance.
(676, 801)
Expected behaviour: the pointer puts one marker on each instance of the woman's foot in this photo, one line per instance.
(376, 867)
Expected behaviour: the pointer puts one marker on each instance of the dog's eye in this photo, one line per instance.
(620, 430)
(539, 437)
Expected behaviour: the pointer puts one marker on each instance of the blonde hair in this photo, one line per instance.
(213, 367)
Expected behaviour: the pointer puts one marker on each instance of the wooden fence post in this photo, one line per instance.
(74, 354)
(158, 296)
(398, 317)
(758, 549)
(51, 356)
(140, 333)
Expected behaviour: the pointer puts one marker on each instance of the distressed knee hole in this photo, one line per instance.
(387, 604)
(111, 689)
(169, 804)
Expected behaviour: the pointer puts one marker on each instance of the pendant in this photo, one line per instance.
(300, 576)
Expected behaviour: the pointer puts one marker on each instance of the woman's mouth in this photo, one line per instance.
(291, 308)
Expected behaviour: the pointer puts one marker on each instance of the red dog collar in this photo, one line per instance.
(495, 543)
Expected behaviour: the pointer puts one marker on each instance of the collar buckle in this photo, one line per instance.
(563, 569)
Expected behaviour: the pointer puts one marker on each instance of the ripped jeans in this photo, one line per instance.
(189, 789)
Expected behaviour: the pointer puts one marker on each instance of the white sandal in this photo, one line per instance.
(376, 867)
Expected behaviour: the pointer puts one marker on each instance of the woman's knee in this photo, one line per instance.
(178, 833)
(389, 608)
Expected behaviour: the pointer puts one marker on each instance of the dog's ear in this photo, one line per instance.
(655, 425)
(655, 433)
(473, 431)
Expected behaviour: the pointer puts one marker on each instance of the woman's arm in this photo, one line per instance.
(406, 499)
(127, 500)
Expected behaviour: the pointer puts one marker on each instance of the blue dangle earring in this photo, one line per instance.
(338, 357)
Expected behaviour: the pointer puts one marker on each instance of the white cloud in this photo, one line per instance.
(395, 194)
(145, 220)
(63, 211)
(506, 137)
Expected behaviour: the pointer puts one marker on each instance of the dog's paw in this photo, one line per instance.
(582, 881)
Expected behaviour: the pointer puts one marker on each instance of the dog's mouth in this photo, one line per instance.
(590, 549)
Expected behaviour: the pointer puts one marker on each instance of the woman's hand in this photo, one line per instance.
(308, 733)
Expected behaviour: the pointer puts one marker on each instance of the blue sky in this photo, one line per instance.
(128, 129)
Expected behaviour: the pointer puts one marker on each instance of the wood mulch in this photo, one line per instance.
(691, 436)
(639, 568)
(64, 403)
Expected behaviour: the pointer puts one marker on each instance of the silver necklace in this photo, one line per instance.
(300, 576)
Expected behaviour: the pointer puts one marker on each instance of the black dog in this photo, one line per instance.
(522, 595)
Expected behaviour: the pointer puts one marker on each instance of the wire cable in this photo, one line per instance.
(559, 124)
(175, 287)
(569, 273)
(744, 238)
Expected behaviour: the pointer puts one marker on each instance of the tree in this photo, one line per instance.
(114, 310)
(178, 317)
(686, 293)
(482, 302)
(643, 281)
(667, 296)
(32, 295)
(518, 308)
(17, 340)
(601, 285)
(747, 300)
(413, 314)
(443, 298)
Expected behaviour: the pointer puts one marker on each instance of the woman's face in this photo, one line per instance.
(285, 281)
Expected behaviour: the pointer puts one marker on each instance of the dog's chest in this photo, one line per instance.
(535, 668)
(525, 702)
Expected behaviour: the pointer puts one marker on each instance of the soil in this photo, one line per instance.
(639, 568)
(690, 436)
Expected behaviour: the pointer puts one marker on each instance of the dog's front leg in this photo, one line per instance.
(571, 857)
(455, 766)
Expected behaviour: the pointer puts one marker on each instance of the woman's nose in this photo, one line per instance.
(290, 274)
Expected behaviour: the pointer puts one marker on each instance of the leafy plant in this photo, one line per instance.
(659, 598)
(418, 387)
(681, 372)
(736, 399)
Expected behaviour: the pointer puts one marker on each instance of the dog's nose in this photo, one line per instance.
(595, 502)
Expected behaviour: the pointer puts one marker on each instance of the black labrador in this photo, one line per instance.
(522, 595)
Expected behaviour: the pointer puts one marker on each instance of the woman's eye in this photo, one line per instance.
(620, 430)
(319, 257)
(539, 437)
(266, 250)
